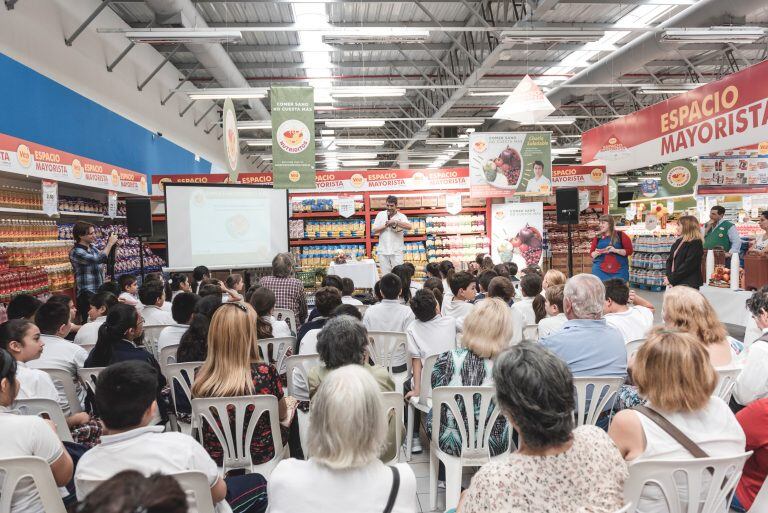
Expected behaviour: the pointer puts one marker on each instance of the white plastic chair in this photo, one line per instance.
(625, 509)
(64, 379)
(384, 346)
(726, 382)
(362, 309)
(168, 354)
(16, 469)
(394, 401)
(592, 396)
(182, 374)
(234, 434)
(633, 346)
(151, 335)
(422, 402)
(702, 493)
(49, 409)
(760, 504)
(272, 350)
(475, 435)
(195, 485)
(89, 375)
(287, 315)
(531, 332)
(301, 364)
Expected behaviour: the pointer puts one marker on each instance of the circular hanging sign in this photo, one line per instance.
(231, 138)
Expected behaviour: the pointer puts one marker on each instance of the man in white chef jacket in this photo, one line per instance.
(389, 226)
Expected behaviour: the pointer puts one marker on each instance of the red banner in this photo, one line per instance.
(721, 115)
(575, 176)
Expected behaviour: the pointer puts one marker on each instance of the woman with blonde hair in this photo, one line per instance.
(551, 278)
(684, 260)
(672, 370)
(344, 473)
(610, 251)
(233, 368)
(487, 332)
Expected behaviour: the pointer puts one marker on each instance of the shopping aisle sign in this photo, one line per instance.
(50, 197)
(293, 137)
(728, 113)
(508, 163)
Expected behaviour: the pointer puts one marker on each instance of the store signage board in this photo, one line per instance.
(50, 191)
(516, 233)
(453, 203)
(651, 222)
(507, 163)
(728, 113)
(112, 204)
(740, 166)
(35, 160)
(392, 179)
(231, 138)
(346, 206)
(293, 137)
(579, 176)
(244, 178)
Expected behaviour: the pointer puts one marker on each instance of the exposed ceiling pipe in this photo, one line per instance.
(213, 57)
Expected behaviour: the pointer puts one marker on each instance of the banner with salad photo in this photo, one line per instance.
(505, 164)
(517, 233)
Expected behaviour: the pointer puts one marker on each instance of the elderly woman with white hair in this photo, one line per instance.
(344, 473)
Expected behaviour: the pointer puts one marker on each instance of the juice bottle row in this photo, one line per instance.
(60, 277)
(16, 230)
(26, 280)
(17, 197)
(648, 277)
(32, 254)
(649, 260)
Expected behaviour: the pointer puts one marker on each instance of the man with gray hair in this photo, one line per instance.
(289, 292)
(586, 342)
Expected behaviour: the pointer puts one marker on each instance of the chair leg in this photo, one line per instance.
(409, 434)
(433, 469)
(452, 484)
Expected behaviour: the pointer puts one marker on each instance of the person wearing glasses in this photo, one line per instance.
(86, 260)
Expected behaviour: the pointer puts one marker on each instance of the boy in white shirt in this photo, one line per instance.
(390, 315)
(129, 288)
(347, 288)
(522, 310)
(152, 296)
(125, 398)
(100, 304)
(463, 289)
(555, 314)
(633, 321)
(182, 309)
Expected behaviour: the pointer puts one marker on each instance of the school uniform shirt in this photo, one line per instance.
(154, 316)
(549, 325)
(525, 308)
(129, 299)
(27, 435)
(171, 335)
(36, 384)
(447, 292)
(89, 332)
(349, 300)
(752, 383)
(633, 324)
(458, 309)
(280, 329)
(389, 315)
(62, 354)
(435, 336)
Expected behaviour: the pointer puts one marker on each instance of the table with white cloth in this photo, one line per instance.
(731, 308)
(363, 273)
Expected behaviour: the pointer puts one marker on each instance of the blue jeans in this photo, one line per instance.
(736, 505)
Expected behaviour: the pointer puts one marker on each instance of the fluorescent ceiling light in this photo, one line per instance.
(355, 35)
(354, 123)
(367, 92)
(357, 156)
(265, 124)
(437, 142)
(326, 132)
(360, 163)
(183, 35)
(551, 35)
(713, 34)
(557, 120)
(456, 122)
(242, 93)
(258, 142)
(489, 93)
(360, 142)
(668, 88)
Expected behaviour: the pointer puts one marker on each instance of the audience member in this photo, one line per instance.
(27, 435)
(502, 288)
(390, 315)
(552, 277)
(211, 288)
(348, 432)
(125, 398)
(177, 283)
(502, 270)
(555, 318)
(685, 401)
(462, 294)
(22, 306)
(129, 290)
(446, 270)
(532, 269)
(752, 383)
(404, 274)
(483, 283)
(632, 321)
(101, 303)
(235, 282)
(233, 368)
(349, 310)
(289, 292)
(754, 421)
(199, 274)
(112, 287)
(411, 273)
(326, 299)
(130, 492)
(263, 301)
(432, 270)
(152, 296)
(436, 286)
(523, 313)
(512, 270)
(193, 345)
(73, 317)
(347, 288)
(182, 310)
(534, 390)
(249, 293)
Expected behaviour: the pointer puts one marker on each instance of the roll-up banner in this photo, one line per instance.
(293, 137)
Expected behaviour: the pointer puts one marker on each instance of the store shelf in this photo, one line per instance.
(156, 245)
(66, 213)
(440, 211)
(312, 242)
(456, 234)
(412, 238)
(304, 215)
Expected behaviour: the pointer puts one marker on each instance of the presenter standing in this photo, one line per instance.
(86, 263)
(389, 226)
(610, 251)
(720, 233)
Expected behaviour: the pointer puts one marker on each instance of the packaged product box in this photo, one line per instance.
(429, 201)
(409, 202)
(378, 203)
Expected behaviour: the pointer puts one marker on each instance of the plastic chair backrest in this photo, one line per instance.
(475, 432)
(706, 493)
(625, 509)
(64, 379)
(184, 375)
(195, 485)
(385, 345)
(726, 382)
(393, 401)
(633, 346)
(272, 350)
(426, 379)
(531, 332)
(46, 408)
(168, 354)
(362, 309)
(287, 315)
(760, 504)
(234, 434)
(592, 396)
(16, 469)
(89, 375)
(151, 334)
(301, 363)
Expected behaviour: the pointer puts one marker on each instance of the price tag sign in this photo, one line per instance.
(651, 222)
(346, 206)
(453, 203)
(50, 197)
(670, 206)
(112, 204)
(583, 199)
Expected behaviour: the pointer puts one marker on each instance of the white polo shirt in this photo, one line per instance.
(37, 384)
(633, 324)
(280, 329)
(154, 316)
(458, 309)
(349, 300)
(171, 335)
(391, 242)
(435, 336)
(89, 332)
(62, 354)
(553, 324)
(389, 315)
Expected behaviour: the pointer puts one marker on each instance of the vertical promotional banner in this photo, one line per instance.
(516, 233)
(503, 164)
(50, 197)
(293, 137)
(112, 204)
(231, 138)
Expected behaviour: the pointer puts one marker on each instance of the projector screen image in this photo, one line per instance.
(225, 226)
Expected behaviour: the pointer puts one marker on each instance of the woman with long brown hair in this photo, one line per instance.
(684, 260)
(610, 251)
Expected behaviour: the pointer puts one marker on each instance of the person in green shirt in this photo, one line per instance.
(720, 233)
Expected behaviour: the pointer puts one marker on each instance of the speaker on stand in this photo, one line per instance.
(567, 205)
(138, 213)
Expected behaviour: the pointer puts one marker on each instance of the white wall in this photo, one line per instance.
(33, 33)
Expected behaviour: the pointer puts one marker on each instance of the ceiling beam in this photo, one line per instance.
(368, 47)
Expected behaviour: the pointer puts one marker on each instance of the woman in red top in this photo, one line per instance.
(754, 422)
(610, 251)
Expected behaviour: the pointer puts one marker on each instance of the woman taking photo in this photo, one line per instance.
(610, 251)
(684, 260)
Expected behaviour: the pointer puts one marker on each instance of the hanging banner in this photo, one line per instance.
(112, 204)
(527, 104)
(293, 137)
(231, 138)
(389, 179)
(507, 163)
(575, 176)
(453, 203)
(516, 233)
(728, 113)
(50, 197)
(35, 160)
(346, 206)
